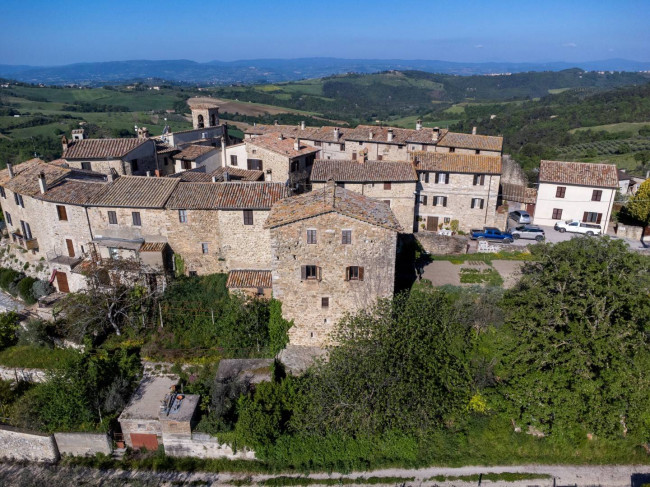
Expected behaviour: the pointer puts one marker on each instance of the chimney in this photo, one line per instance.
(41, 182)
(362, 157)
(78, 134)
(148, 174)
(296, 144)
(473, 130)
(370, 135)
(223, 152)
(436, 133)
(64, 143)
(390, 135)
(337, 133)
(275, 122)
(280, 137)
(418, 124)
(214, 179)
(10, 169)
(143, 133)
(302, 125)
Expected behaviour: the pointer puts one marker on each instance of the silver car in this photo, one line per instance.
(520, 216)
(530, 232)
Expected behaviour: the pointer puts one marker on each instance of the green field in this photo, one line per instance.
(632, 127)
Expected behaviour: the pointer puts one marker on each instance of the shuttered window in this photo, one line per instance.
(560, 191)
(248, 217)
(442, 178)
(233, 160)
(137, 222)
(596, 195)
(19, 200)
(204, 248)
(423, 200)
(8, 218)
(440, 201)
(311, 236)
(477, 203)
(346, 237)
(112, 218)
(310, 273)
(325, 302)
(557, 214)
(354, 273)
(592, 217)
(60, 211)
(182, 216)
(479, 179)
(2, 192)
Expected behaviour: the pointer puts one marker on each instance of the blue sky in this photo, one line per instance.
(50, 32)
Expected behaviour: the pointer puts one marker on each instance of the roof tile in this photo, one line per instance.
(101, 148)
(578, 173)
(227, 196)
(369, 171)
(248, 278)
(283, 146)
(136, 192)
(456, 163)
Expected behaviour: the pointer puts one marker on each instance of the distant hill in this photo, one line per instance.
(276, 70)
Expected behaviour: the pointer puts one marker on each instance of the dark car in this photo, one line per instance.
(520, 216)
(528, 232)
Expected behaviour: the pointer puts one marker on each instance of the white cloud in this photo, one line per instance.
(570, 44)
(479, 46)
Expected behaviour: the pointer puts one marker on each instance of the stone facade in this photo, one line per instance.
(441, 244)
(83, 444)
(280, 168)
(372, 247)
(17, 444)
(138, 162)
(459, 192)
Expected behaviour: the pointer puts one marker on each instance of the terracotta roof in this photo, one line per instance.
(400, 136)
(284, 146)
(518, 192)
(153, 246)
(226, 196)
(101, 148)
(191, 152)
(623, 176)
(369, 171)
(471, 141)
(198, 175)
(248, 278)
(73, 192)
(456, 163)
(578, 173)
(136, 192)
(25, 180)
(331, 199)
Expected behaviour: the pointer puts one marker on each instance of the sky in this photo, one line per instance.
(54, 32)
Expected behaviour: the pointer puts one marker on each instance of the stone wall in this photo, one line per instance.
(22, 374)
(140, 426)
(201, 445)
(629, 231)
(372, 247)
(83, 444)
(271, 161)
(245, 246)
(152, 229)
(442, 245)
(17, 444)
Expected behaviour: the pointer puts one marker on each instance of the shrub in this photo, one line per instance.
(7, 276)
(41, 288)
(25, 289)
(278, 327)
(35, 332)
(8, 329)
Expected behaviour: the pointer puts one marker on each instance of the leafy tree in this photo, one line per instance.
(643, 157)
(577, 354)
(278, 327)
(8, 329)
(639, 205)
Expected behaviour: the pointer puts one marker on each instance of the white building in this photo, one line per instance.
(575, 191)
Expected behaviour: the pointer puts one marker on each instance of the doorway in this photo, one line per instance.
(432, 223)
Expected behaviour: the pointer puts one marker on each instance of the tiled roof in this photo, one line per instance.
(248, 278)
(198, 175)
(369, 171)
(153, 246)
(330, 199)
(518, 192)
(283, 146)
(73, 192)
(456, 163)
(623, 176)
(578, 173)
(191, 152)
(101, 148)
(471, 141)
(136, 192)
(400, 136)
(25, 180)
(226, 196)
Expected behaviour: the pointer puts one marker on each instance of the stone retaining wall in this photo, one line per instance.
(202, 445)
(441, 244)
(19, 444)
(629, 231)
(83, 444)
(20, 373)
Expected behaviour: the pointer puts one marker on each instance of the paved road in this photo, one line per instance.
(8, 303)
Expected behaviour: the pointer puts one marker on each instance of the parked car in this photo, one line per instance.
(520, 216)
(530, 232)
(576, 226)
(491, 233)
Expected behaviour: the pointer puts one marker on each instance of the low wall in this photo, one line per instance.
(629, 231)
(202, 445)
(83, 444)
(441, 244)
(19, 444)
(21, 374)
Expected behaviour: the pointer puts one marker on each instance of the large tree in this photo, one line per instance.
(577, 357)
(639, 205)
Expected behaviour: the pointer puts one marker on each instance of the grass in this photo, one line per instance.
(493, 477)
(284, 480)
(487, 258)
(557, 91)
(476, 276)
(615, 127)
(29, 356)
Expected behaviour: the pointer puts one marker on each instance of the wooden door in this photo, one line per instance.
(530, 208)
(144, 440)
(432, 223)
(70, 246)
(62, 282)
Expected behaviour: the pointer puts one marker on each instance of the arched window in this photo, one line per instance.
(200, 123)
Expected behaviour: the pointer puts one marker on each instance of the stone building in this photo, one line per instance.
(580, 191)
(332, 251)
(393, 183)
(456, 187)
(195, 156)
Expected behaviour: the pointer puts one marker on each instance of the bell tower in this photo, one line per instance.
(204, 115)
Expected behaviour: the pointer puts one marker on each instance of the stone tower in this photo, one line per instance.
(204, 115)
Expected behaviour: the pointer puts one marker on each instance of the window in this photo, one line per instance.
(442, 178)
(134, 165)
(2, 192)
(310, 272)
(248, 217)
(112, 218)
(166, 161)
(254, 164)
(8, 218)
(193, 273)
(560, 192)
(63, 215)
(447, 219)
(360, 143)
(317, 143)
(452, 149)
(557, 214)
(592, 217)
(354, 156)
(295, 166)
(440, 201)
(137, 222)
(341, 185)
(477, 152)
(424, 177)
(185, 165)
(233, 160)
(354, 273)
(387, 186)
(387, 202)
(346, 237)
(596, 195)
(423, 200)
(113, 253)
(477, 203)
(27, 231)
(86, 166)
(479, 179)
(311, 236)
(324, 302)
(19, 200)
(204, 248)
(182, 216)
(342, 147)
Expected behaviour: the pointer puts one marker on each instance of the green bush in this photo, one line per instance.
(36, 333)
(7, 277)
(8, 329)
(41, 288)
(25, 289)
(278, 327)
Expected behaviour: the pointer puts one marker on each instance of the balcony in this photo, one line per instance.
(26, 243)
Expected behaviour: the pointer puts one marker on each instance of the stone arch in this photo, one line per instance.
(200, 122)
